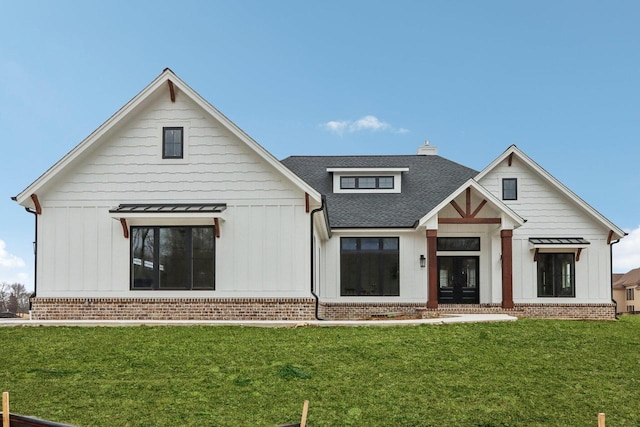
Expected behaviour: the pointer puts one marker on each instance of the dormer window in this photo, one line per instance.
(366, 182)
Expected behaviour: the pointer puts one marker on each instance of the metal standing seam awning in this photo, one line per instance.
(578, 243)
(141, 210)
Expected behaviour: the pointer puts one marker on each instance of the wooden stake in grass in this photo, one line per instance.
(601, 420)
(5, 409)
(305, 408)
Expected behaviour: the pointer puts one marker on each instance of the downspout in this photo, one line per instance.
(611, 275)
(312, 282)
(35, 253)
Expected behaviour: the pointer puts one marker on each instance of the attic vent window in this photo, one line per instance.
(366, 182)
(172, 143)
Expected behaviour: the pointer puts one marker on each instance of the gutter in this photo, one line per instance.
(312, 281)
(35, 253)
(611, 275)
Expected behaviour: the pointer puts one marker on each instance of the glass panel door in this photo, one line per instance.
(458, 280)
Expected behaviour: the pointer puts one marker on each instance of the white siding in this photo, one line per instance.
(549, 213)
(264, 246)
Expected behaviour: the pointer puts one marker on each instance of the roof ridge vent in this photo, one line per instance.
(427, 149)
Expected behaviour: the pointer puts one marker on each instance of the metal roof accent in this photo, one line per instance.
(170, 208)
(558, 241)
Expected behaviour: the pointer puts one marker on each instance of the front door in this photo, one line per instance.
(458, 280)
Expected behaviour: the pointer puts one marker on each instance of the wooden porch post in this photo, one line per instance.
(432, 260)
(507, 268)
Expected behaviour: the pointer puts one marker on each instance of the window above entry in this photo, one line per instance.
(367, 180)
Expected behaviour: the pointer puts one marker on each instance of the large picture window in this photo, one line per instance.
(369, 266)
(556, 275)
(169, 258)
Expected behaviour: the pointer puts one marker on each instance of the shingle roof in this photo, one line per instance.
(630, 278)
(428, 181)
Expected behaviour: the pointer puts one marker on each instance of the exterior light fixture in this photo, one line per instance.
(423, 261)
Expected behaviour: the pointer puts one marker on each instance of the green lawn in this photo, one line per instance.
(525, 373)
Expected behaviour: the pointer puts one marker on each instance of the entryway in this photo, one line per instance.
(458, 280)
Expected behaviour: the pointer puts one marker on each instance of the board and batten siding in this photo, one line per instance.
(264, 245)
(549, 213)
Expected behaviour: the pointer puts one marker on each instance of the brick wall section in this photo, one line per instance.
(339, 311)
(284, 309)
(355, 311)
(173, 308)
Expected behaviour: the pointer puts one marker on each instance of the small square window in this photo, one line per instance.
(367, 182)
(172, 143)
(385, 182)
(509, 189)
(347, 182)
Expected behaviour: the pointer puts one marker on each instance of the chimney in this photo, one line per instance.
(427, 150)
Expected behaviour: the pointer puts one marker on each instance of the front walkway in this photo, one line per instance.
(449, 318)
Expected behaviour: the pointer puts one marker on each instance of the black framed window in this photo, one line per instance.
(172, 143)
(630, 294)
(509, 189)
(369, 266)
(366, 182)
(458, 244)
(556, 275)
(631, 309)
(166, 258)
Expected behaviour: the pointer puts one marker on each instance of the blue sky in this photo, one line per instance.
(557, 78)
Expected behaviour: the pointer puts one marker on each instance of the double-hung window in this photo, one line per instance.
(369, 266)
(556, 275)
(630, 294)
(173, 258)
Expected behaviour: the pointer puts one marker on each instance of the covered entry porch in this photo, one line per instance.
(469, 250)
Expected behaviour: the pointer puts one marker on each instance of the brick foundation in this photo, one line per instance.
(344, 311)
(173, 308)
(284, 309)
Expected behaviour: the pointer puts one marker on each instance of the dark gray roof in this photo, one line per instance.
(429, 180)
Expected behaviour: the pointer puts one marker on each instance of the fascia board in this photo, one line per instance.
(557, 184)
(366, 170)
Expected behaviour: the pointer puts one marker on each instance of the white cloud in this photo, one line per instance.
(366, 123)
(626, 254)
(8, 260)
(369, 123)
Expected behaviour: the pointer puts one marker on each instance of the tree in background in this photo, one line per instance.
(14, 298)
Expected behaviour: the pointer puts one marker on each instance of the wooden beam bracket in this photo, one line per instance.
(125, 228)
(216, 222)
(172, 91)
(306, 202)
(36, 203)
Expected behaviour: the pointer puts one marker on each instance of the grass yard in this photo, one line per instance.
(525, 373)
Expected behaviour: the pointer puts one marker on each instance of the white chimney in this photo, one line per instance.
(427, 150)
